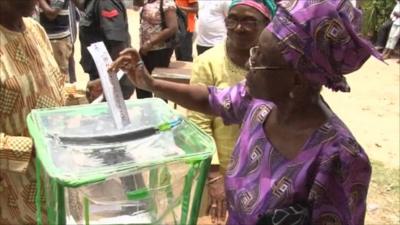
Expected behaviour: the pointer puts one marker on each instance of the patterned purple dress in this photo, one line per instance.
(326, 183)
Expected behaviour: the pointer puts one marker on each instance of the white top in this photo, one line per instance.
(396, 20)
(211, 28)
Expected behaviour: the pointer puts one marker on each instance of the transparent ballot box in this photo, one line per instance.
(150, 172)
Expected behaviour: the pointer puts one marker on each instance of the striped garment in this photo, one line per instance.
(29, 79)
(59, 27)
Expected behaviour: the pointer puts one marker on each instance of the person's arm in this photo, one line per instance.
(192, 8)
(50, 12)
(192, 97)
(171, 22)
(231, 104)
(15, 153)
(202, 74)
(80, 4)
(138, 3)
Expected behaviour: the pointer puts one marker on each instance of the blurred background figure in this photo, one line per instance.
(394, 34)
(55, 18)
(211, 28)
(158, 23)
(106, 21)
(383, 32)
(184, 51)
(73, 19)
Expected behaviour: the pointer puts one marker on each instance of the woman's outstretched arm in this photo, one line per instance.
(193, 97)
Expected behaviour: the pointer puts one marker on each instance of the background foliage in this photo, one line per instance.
(375, 13)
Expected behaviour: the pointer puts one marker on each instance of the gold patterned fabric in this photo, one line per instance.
(29, 79)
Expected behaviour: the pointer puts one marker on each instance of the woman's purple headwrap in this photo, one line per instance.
(320, 39)
(266, 7)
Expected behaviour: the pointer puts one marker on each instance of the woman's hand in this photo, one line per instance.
(129, 61)
(93, 90)
(217, 202)
(146, 47)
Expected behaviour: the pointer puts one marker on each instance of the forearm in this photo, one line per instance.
(193, 97)
(162, 36)
(15, 152)
(188, 9)
(170, 29)
(48, 11)
(80, 4)
(138, 3)
(192, 8)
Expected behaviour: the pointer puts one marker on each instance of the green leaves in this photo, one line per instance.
(376, 12)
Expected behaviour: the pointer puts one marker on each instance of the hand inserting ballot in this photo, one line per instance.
(130, 62)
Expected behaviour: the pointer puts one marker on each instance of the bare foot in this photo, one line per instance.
(387, 53)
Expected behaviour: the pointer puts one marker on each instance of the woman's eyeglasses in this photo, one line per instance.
(247, 24)
(253, 52)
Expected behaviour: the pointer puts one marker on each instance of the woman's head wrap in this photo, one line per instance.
(320, 39)
(266, 7)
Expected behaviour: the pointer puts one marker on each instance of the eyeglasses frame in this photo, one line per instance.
(252, 67)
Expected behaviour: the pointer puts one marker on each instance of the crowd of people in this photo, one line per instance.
(283, 155)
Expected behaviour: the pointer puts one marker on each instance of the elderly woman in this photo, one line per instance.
(295, 162)
(224, 66)
(29, 79)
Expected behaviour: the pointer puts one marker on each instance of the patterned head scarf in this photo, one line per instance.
(266, 7)
(320, 39)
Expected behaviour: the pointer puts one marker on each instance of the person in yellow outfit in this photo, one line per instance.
(223, 66)
(29, 79)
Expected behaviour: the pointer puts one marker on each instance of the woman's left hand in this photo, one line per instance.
(145, 48)
(216, 192)
(93, 90)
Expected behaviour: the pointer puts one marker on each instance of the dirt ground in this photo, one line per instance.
(371, 111)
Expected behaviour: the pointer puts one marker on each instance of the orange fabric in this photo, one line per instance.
(191, 17)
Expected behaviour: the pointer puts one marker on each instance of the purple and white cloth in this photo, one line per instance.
(329, 177)
(321, 40)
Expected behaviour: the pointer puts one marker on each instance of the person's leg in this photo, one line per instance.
(383, 33)
(164, 57)
(394, 36)
(201, 49)
(62, 50)
(149, 63)
(184, 51)
(71, 67)
(156, 58)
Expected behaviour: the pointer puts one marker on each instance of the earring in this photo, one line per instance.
(291, 95)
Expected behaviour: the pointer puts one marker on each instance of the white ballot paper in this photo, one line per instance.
(110, 84)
